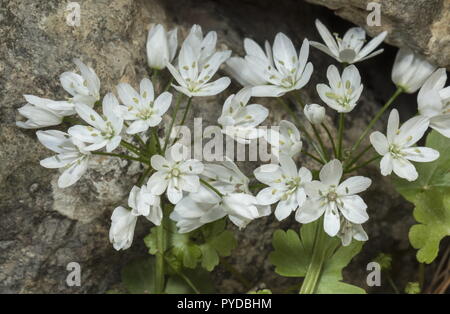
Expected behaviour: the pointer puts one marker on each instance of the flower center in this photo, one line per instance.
(332, 196)
(175, 172)
(395, 151)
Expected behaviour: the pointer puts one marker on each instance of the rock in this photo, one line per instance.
(422, 25)
(43, 228)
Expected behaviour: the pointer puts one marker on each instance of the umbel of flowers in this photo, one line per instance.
(182, 196)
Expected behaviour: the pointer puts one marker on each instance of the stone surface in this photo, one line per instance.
(43, 228)
(422, 25)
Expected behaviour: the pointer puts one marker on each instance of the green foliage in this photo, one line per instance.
(186, 250)
(138, 277)
(412, 288)
(433, 214)
(219, 242)
(262, 291)
(385, 261)
(292, 256)
(430, 194)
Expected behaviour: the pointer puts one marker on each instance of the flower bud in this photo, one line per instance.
(161, 46)
(314, 113)
(410, 70)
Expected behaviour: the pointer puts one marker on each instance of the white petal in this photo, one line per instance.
(286, 207)
(379, 142)
(331, 222)
(310, 211)
(386, 165)
(420, 154)
(354, 209)
(331, 172)
(405, 169)
(71, 175)
(354, 185)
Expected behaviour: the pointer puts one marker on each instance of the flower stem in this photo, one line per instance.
(159, 266)
(377, 117)
(121, 156)
(319, 138)
(362, 165)
(211, 187)
(330, 137)
(313, 157)
(174, 117)
(131, 147)
(183, 120)
(354, 160)
(317, 261)
(341, 134)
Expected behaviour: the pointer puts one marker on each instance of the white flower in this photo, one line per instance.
(314, 113)
(144, 203)
(397, 147)
(71, 156)
(272, 74)
(351, 231)
(84, 88)
(198, 61)
(42, 112)
(332, 198)
(142, 108)
(285, 185)
(103, 131)
(410, 70)
(434, 102)
(343, 92)
(121, 233)
(204, 206)
(287, 140)
(239, 120)
(350, 48)
(161, 46)
(175, 173)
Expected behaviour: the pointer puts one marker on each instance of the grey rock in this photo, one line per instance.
(43, 228)
(422, 25)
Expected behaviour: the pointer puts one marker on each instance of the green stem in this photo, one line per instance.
(211, 187)
(377, 117)
(341, 134)
(174, 117)
(186, 110)
(330, 137)
(319, 139)
(362, 165)
(144, 176)
(131, 147)
(317, 261)
(121, 156)
(392, 283)
(159, 266)
(354, 160)
(313, 157)
(185, 278)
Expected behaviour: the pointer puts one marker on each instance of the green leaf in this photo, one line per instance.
(138, 276)
(432, 211)
(292, 256)
(434, 174)
(221, 244)
(430, 195)
(199, 278)
(151, 241)
(330, 279)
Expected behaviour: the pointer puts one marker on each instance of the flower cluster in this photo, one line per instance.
(193, 193)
